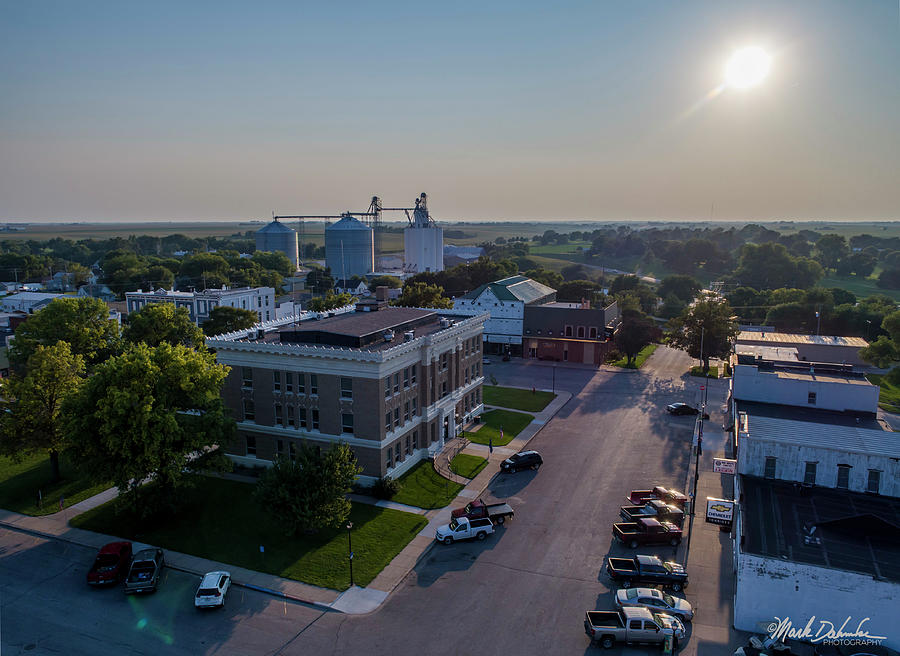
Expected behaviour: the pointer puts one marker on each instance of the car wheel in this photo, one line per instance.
(535, 466)
(482, 535)
(607, 643)
(633, 544)
(676, 587)
(626, 583)
(448, 540)
(501, 519)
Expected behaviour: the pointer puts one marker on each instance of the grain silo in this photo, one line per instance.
(278, 237)
(423, 241)
(349, 248)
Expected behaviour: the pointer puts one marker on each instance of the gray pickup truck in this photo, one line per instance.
(146, 568)
(631, 626)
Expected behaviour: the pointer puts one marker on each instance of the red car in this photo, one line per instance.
(111, 564)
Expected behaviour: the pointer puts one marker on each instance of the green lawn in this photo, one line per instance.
(467, 466)
(862, 287)
(511, 422)
(20, 483)
(698, 371)
(888, 395)
(639, 361)
(423, 487)
(220, 520)
(520, 399)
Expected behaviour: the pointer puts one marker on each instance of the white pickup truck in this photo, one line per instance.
(463, 528)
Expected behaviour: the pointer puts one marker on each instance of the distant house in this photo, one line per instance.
(358, 288)
(102, 292)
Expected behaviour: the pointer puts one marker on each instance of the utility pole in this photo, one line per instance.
(818, 318)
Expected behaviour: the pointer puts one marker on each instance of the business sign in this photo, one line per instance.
(724, 466)
(719, 511)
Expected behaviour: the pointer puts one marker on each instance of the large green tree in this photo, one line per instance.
(420, 294)
(319, 281)
(329, 302)
(151, 415)
(705, 330)
(635, 332)
(309, 492)
(83, 323)
(226, 319)
(31, 416)
(156, 323)
(770, 266)
(830, 250)
(683, 287)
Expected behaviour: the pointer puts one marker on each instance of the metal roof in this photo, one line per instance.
(514, 288)
(853, 439)
(275, 226)
(348, 223)
(754, 337)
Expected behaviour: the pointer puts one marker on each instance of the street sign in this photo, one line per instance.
(724, 466)
(719, 511)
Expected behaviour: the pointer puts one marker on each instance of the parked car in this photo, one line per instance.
(681, 409)
(649, 570)
(464, 529)
(655, 600)
(485, 361)
(145, 570)
(478, 509)
(522, 460)
(639, 497)
(111, 564)
(212, 590)
(646, 531)
(655, 508)
(631, 626)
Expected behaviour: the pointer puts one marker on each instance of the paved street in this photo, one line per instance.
(526, 588)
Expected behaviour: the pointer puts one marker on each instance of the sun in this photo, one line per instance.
(747, 67)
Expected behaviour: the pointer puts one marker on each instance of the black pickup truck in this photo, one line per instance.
(647, 569)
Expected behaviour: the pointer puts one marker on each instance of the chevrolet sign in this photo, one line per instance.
(719, 511)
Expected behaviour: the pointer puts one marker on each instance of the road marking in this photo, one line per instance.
(285, 606)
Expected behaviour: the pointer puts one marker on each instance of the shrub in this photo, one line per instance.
(613, 355)
(385, 488)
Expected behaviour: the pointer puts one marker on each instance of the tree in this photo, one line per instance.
(574, 272)
(329, 302)
(682, 287)
(770, 266)
(420, 294)
(392, 282)
(207, 269)
(83, 323)
(882, 352)
(889, 278)
(309, 493)
(151, 413)
(574, 291)
(319, 281)
(226, 319)
(156, 323)
(830, 250)
(545, 277)
(31, 408)
(705, 329)
(274, 261)
(634, 333)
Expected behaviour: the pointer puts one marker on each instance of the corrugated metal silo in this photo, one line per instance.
(278, 237)
(349, 248)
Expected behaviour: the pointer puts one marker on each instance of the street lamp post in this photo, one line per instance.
(554, 379)
(350, 551)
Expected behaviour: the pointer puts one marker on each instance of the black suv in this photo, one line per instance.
(522, 460)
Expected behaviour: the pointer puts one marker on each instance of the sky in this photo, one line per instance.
(499, 111)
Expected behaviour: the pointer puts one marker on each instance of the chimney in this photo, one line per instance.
(381, 293)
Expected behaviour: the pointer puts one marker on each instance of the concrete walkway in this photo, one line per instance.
(356, 600)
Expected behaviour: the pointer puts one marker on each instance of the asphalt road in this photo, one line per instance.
(525, 588)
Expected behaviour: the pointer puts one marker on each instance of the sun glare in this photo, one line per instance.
(747, 68)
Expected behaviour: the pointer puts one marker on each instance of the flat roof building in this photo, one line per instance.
(199, 304)
(392, 383)
(809, 348)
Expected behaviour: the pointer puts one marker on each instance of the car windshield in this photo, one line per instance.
(669, 599)
(631, 594)
(106, 562)
(453, 524)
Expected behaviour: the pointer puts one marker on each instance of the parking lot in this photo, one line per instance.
(527, 587)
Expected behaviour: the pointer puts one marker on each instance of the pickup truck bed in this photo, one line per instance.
(647, 569)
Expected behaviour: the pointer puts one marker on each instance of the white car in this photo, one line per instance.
(212, 590)
(655, 601)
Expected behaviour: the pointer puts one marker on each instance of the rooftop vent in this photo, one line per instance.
(409, 335)
(445, 322)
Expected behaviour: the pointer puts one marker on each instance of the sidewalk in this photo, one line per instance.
(356, 600)
(710, 556)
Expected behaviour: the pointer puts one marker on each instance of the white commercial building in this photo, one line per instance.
(29, 302)
(199, 304)
(505, 301)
